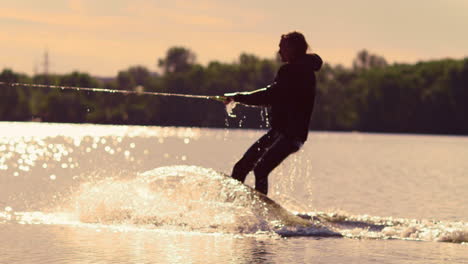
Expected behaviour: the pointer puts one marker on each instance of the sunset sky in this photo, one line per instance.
(102, 37)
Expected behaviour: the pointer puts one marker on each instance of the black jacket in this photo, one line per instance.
(291, 96)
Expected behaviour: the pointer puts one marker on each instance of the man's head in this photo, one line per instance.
(292, 46)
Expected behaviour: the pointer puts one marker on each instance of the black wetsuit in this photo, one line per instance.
(291, 98)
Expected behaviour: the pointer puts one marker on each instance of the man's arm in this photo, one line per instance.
(260, 97)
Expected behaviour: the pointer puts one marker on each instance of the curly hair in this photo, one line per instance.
(297, 41)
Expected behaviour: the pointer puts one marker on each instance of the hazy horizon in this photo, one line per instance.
(104, 37)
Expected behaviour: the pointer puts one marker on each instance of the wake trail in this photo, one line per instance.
(196, 199)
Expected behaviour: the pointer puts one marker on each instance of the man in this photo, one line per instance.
(291, 99)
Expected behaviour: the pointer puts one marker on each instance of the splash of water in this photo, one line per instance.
(185, 198)
(195, 199)
(374, 227)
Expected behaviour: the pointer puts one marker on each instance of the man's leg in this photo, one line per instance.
(279, 151)
(252, 156)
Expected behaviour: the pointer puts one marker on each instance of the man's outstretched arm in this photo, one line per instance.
(260, 97)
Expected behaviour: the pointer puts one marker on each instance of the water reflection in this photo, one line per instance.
(64, 244)
(418, 177)
(132, 246)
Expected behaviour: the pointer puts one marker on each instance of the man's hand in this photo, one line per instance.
(229, 98)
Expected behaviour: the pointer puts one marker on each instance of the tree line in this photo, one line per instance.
(371, 95)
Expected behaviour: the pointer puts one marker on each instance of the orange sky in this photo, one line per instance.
(102, 37)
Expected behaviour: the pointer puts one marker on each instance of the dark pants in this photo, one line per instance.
(263, 156)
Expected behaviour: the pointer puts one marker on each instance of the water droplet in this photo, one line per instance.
(53, 177)
(186, 140)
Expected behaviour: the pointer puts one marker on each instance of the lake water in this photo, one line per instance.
(129, 194)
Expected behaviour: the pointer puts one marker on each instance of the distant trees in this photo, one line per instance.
(178, 59)
(426, 97)
(14, 102)
(135, 76)
(365, 61)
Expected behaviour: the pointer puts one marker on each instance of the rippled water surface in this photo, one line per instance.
(128, 194)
